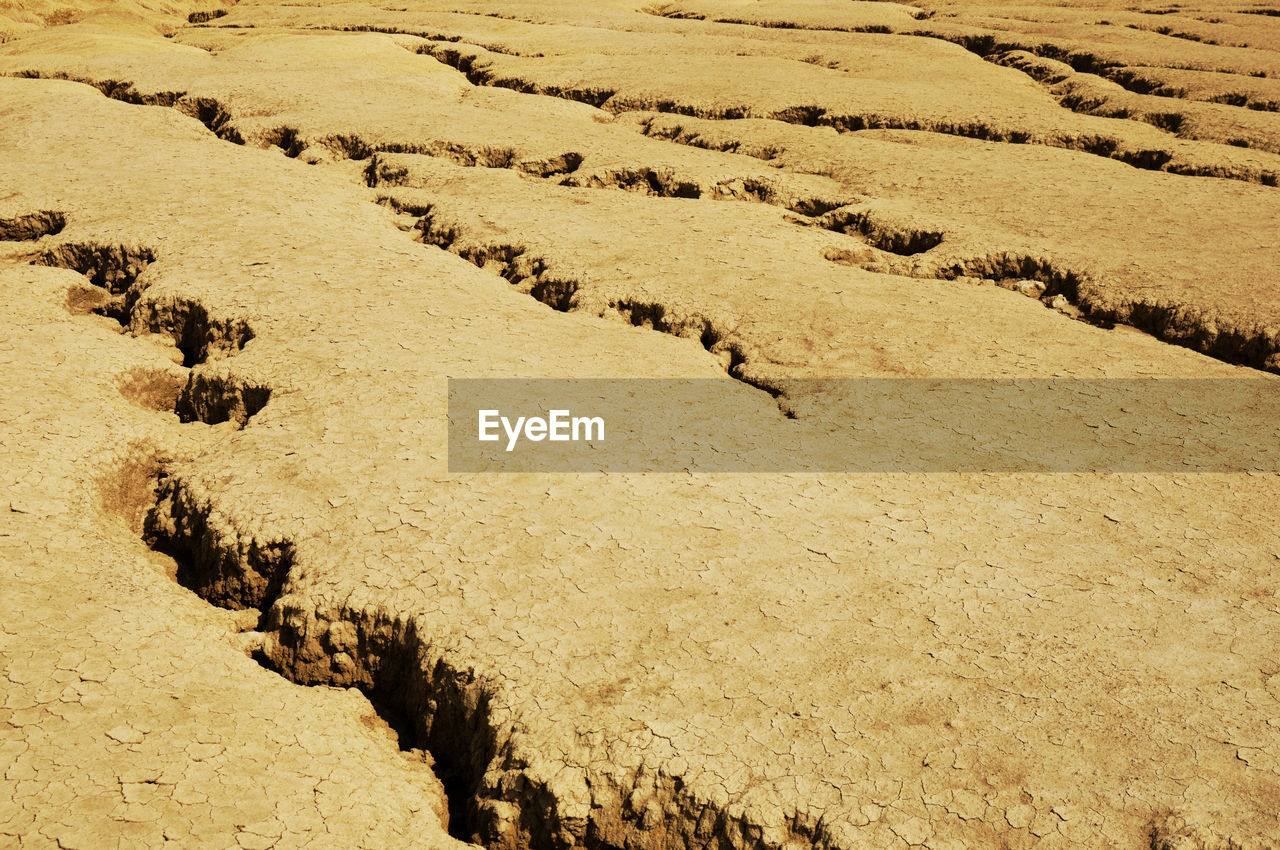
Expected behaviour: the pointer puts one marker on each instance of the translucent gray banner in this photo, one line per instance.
(865, 425)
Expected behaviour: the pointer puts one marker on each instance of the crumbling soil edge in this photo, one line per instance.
(207, 110)
(350, 146)
(448, 50)
(992, 45)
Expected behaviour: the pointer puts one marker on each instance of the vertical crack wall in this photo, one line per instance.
(32, 226)
(118, 271)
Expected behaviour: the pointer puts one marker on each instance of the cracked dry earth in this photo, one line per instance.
(242, 248)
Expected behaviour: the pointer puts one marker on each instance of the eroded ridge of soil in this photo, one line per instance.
(243, 248)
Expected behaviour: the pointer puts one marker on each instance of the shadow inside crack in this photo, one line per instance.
(531, 273)
(206, 16)
(207, 110)
(213, 399)
(666, 183)
(212, 560)
(201, 551)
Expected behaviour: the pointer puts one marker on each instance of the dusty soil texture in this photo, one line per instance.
(244, 602)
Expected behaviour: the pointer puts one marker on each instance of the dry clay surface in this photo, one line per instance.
(609, 660)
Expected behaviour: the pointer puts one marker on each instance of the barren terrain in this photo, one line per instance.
(245, 602)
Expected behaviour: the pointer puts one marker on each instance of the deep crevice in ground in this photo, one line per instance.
(238, 574)
(206, 16)
(240, 402)
(666, 10)
(116, 270)
(1134, 80)
(232, 572)
(988, 44)
(213, 399)
(1180, 324)
(218, 120)
(113, 268)
(1004, 52)
(1191, 327)
(1082, 60)
(441, 710)
(208, 397)
(1081, 93)
(892, 237)
(665, 183)
(983, 45)
(294, 143)
(497, 794)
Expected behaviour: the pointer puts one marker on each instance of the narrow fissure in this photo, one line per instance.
(208, 111)
(666, 11)
(228, 571)
(1188, 326)
(514, 264)
(1257, 347)
(383, 171)
(664, 183)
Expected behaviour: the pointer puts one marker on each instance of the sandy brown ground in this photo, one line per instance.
(234, 288)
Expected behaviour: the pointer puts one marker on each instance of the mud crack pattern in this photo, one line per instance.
(244, 247)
